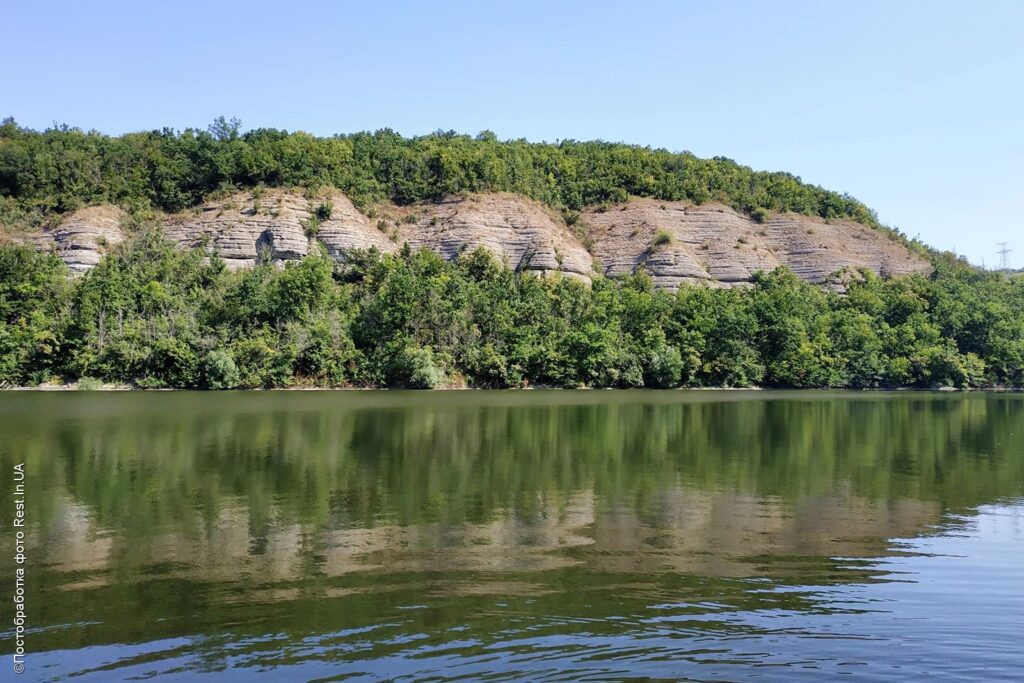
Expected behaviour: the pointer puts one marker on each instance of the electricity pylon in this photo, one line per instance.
(1004, 256)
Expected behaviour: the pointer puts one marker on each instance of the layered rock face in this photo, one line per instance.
(521, 233)
(674, 242)
(677, 243)
(244, 229)
(81, 238)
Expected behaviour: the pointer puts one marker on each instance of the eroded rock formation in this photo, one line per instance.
(521, 233)
(81, 237)
(674, 242)
(275, 226)
(677, 243)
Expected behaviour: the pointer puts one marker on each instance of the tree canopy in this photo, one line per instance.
(154, 316)
(63, 168)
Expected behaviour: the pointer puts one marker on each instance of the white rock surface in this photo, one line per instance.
(674, 242)
(521, 233)
(82, 237)
(714, 244)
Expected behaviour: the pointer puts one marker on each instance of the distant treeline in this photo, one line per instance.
(154, 316)
(64, 168)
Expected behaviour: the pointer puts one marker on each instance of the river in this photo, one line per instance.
(531, 535)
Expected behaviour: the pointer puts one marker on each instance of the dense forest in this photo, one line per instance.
(64, 168)
(154, 316)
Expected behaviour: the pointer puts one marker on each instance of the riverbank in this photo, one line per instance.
(77, 386)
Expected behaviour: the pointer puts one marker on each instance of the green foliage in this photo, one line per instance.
(791, 336)
(63, 168)
(219, 370)
(312, 226)
(154, 316)
(34, 313)
(663, 368)
(418, 368)
(662, 237)
(89, 384)
(324, 210)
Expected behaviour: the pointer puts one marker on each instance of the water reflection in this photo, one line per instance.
(612, 534)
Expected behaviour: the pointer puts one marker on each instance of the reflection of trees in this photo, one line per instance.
(278, 506)
(153, 461)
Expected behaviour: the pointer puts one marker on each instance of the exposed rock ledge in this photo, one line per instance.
(521, 233)
(674, 242)
(677, 242)
(83, 236)
(243, 229)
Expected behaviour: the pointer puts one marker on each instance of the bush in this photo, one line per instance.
(420, 369)
(63, 168)
(157, 317)
(662, 237)
(664, 369)
(89, 384)
(323, 212)
(219, 370)
(312, 227)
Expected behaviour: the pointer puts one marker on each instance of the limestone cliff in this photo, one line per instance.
(275, 226)
(81, 237)
(674, 242)
(677, 242)
(521, 233)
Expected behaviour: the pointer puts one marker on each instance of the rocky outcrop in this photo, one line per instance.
(674, 242)
(348, 229)
(521, 233)
(677, 243)
(81, 237)
(242, 228)
(274, 226)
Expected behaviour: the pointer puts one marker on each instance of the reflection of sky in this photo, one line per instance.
(950, 606)
(946, 603)
(805, 533)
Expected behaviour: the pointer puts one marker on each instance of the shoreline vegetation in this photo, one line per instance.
(77, 387)
(151, 316)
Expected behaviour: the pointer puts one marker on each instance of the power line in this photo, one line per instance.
(1004, 256)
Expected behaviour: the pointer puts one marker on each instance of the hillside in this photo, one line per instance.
(537, 206)
(377, 260)
(63, 169)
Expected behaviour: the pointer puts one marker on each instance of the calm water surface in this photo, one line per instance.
(517, 536)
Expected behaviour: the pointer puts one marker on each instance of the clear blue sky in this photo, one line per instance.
(916, 108)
